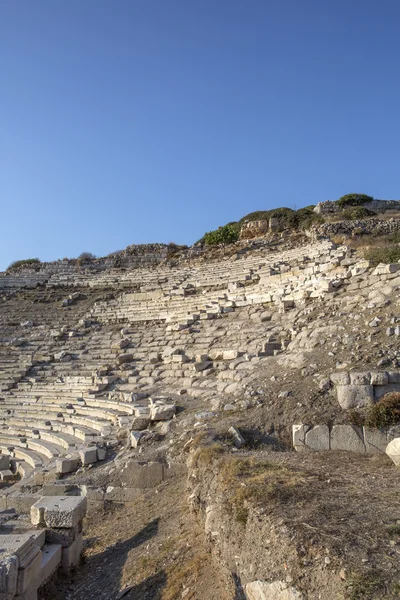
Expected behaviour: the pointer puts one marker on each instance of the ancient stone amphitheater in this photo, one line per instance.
(161, 369)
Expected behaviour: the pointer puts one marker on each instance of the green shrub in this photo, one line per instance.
(85, 257)
(354, 200)
(223, 235)
(27, 262)
(352, 213)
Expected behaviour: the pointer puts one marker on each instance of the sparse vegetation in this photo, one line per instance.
(85, 257)
(364, 586)
(26, 262)
(258, 483)
(205, 455)
(384, 413)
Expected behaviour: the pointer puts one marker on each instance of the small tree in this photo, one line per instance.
(354, 200)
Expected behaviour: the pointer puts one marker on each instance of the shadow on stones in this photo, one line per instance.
(103, 573)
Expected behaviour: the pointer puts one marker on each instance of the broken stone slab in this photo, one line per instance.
(383, 269)
(8, 575)
(277, 590)
(355, 396)
(299, 436)
(317, 438)
(393, 451)
(347, 437)
(59, 511)
(238, 439)
(121, 344)
(161, 412)
(71, 555)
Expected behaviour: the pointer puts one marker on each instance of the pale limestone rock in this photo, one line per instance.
(393, 451)
(354, 396)
(277, 590)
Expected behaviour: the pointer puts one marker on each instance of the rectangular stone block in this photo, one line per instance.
(63, 537)
(29, 575)
(375, 440)
(347, 437)
(88, 456)
(355, 396)
(71, 556)
(317, 438)
(4, 462)
(51, 559)
(59, 511)
(67, 465)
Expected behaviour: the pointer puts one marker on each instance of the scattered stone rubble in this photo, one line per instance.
(96, 370)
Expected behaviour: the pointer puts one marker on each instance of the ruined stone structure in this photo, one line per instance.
(93, 355)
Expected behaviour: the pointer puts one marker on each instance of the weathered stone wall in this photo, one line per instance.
(342, 437)
(359, 227)
(330, 207)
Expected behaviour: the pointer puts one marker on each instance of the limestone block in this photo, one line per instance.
(394, 376)
(71, 556)
(230, 354)
(59, 511)
(202, 366)
(383, 269)
(162, 412)
(154, 357)
(277, 590)
(375, 440)
(347, 437)
(360, 378)
(317, 438)
(340, 378)
(88, 456)
(101, 453)
(8, 576)
(379, 378)
(67, 465)
(6, 475)
(4, 461)
(124, 358)
(121, 344)
(51, 558)
(355, 396)
(28, 576)
(299, 437)
(393, 451)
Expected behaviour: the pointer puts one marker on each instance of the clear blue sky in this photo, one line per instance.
(127, 121)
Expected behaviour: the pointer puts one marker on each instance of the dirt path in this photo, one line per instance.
(153, 545)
